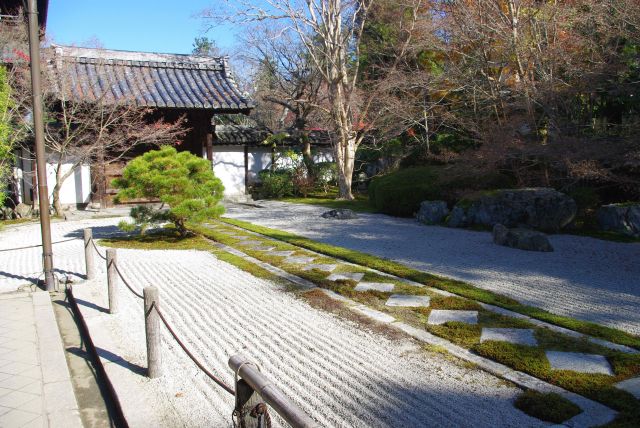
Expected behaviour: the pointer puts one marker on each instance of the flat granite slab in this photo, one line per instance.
(250, 243)
(408, 301)
(281, 253)
(441, 316)
(262, 248)
(632, 386)
(579, 362)
(385, 287)
(298, 260)
(349, 276)
(520, 336)
(322, 267)
(240, 238)
(376, 315)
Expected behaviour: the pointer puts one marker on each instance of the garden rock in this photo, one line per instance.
(23, 210)
(522, 239)
(340, 214)
(621, 218)
(458, 218)
(432, 212)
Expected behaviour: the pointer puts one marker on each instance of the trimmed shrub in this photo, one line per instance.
(275, 184)
(401, 192)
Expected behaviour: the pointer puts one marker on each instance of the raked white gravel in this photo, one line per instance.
(340, 374)
(585, 278)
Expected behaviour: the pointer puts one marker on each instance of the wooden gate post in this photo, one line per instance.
(90, 268)
(153, 331)
(112, 280)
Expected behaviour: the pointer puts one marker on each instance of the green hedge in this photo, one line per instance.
(401, 192)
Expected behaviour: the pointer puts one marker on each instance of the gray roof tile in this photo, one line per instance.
(145, 79)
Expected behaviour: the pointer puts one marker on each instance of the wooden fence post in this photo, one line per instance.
(112, 280)
(90, 267)
(153, 331)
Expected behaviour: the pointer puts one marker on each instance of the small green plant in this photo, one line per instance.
(182, 180)
(549, 407)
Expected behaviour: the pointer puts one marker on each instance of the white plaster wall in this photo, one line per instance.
(76, 189)
(228, 166)
(259, 159)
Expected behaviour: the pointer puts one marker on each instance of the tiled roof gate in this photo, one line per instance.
(145, 79)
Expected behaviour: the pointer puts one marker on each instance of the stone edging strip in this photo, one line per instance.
(60, 405)
(492, 308)
(593, 413)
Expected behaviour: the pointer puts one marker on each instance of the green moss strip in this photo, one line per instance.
(549, 407)
(457, 287)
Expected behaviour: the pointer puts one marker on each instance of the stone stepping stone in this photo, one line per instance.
(632, 386)
(408, 301)
(520, 336)
(299, 260)
(349, 276)
(376, 315)
(322, 267)
(441, 316)
(281, 253)
(241, 238)
(262, 248)
(579, 362)
(249, 243)
(385, 287)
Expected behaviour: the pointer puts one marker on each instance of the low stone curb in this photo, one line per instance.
(60, 405)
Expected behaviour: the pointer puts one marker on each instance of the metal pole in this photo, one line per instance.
(41, 166)
(112, 280)
(153, 331)
(90, 267)
(275, 398)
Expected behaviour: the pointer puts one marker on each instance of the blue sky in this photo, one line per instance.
(138, 25)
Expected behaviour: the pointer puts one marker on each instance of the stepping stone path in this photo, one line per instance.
(579, 362)
(349, 276)
(408, 301)
(322, 267)
(377, 286)
(298, 260)
(376, 315)
(241, 238)
(441, 316)
(249, 243)
(632, 386)
(282, 253)
(262, 248)
(520, 336)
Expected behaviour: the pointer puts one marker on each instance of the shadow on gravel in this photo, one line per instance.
(99, 232)
(114, 358)
(92, 306)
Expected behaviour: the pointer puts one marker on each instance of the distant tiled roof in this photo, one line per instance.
(255, 135)
(145, 79)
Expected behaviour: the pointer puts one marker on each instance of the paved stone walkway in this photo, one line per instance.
(35, 387)
(585, 278)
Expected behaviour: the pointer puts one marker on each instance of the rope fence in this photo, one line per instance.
(37, 245)
(252, 388)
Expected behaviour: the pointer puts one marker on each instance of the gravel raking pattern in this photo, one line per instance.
(584, 278)
(339, 374)
(24, 267)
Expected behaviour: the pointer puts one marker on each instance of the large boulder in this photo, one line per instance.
(340, 214)
(432, 212)
(522, 239)
(536, 208)
(23, 210)
(621, 218)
